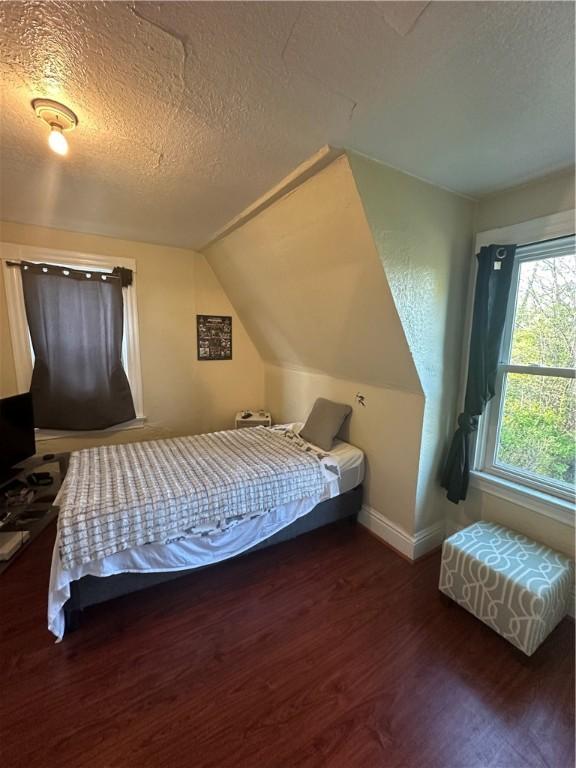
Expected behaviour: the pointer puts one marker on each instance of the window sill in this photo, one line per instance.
(55, 434)
(542, 503)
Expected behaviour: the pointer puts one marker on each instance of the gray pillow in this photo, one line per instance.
(324, 423)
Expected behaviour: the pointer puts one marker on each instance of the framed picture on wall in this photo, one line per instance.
(214, 333)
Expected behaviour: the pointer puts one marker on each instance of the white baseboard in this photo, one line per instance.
(385, 529)
(429, 538)
(411, 546)
(422, 542)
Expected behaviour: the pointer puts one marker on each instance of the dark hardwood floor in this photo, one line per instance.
(329, 650)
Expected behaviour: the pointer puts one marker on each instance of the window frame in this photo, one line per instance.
(491, 419)
(20, 335)
(512, 488)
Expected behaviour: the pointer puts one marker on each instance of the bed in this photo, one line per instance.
(107, 544)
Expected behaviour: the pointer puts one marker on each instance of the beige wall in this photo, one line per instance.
(486, 506)
(551, 532)
(387, 429)
(353, 281)
(305, 277)
(181, 395)
(423, 236)
(222, 388)
(543, 197)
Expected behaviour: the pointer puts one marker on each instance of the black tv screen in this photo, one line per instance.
(16, 431)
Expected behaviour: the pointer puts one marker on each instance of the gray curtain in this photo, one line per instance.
(495, 264)
(76, 326)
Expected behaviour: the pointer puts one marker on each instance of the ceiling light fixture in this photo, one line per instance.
(59, 118)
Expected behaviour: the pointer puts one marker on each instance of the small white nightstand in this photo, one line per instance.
(257, 419)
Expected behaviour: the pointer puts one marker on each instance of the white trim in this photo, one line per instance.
(485, 459)
(63, 258)
(411, 547)
(541, 503)
(535, 230)
(56, 434)
(544, 228)
(18, 324)
(428, 539)
(386, 530)
(132, 341)
(539, 370)
(319, 160)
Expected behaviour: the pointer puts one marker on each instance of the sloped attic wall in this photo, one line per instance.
(423, 235)
(306, 280)
(355, 281)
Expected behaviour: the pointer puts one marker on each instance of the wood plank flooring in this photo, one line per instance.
(329, 650)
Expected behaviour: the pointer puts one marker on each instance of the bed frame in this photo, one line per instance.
(90, 590)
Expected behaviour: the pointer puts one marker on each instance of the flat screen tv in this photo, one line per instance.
(16, 433)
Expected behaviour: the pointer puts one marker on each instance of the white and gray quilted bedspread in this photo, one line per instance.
(121, 496)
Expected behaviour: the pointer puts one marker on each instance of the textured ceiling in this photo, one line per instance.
(190, 111)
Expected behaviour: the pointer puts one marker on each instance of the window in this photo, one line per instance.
(19, 333)
(527, 431)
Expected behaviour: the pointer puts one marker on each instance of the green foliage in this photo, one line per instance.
(535, 435)
(538, 418)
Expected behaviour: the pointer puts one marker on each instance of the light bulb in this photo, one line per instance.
(57, 141)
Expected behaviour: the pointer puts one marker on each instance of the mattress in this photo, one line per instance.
(349, 458)
(198, 551)
(350, 461)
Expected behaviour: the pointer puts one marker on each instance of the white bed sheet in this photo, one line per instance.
(198, 551)
(349, 458)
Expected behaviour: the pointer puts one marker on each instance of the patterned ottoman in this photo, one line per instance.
(516, 586)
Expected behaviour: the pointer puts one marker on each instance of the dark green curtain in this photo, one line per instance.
(495, 264)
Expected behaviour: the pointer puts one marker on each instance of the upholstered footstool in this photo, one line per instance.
(514, 585)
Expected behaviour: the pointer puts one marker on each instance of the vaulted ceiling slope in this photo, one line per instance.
(306, 280)
(190, 111)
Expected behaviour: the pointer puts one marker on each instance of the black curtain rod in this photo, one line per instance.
(121, 273)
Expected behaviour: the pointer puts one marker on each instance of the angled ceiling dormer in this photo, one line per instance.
(305, 277)
(359, 274)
